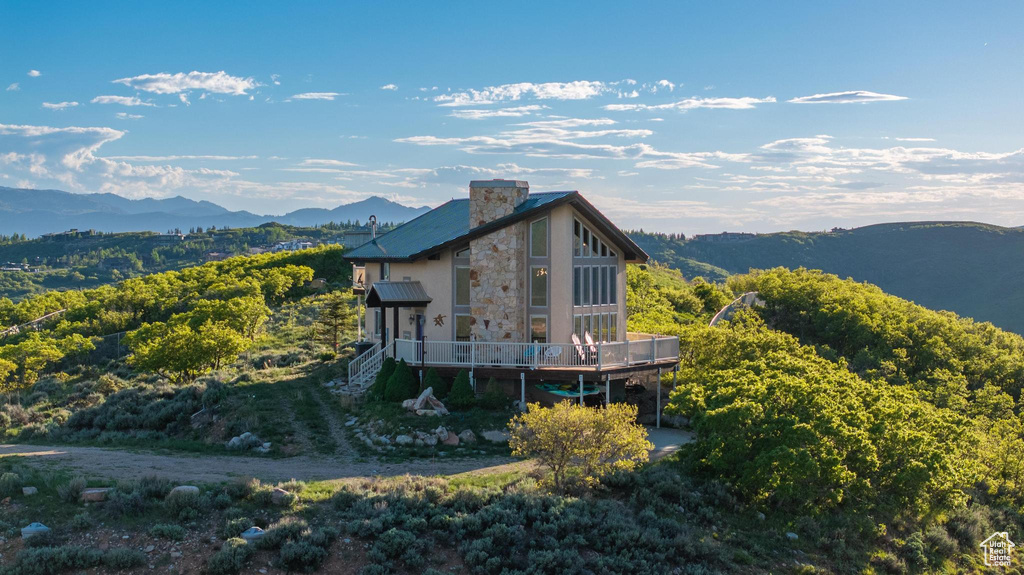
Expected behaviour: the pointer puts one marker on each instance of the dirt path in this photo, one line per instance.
(119, 464)
(334, 424)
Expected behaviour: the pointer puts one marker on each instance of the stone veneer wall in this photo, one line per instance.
(497, 266)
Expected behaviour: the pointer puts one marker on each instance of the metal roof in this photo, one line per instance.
(448, 224)
(404, 294)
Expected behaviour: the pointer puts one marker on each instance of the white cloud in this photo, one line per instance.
(275, 78)
(184, 99)
(13, 87)
(122, 100)
(316, 96)
(214, 82)
(127, 116)
(326, 162)
(746, 103)
(914, 139)
(578, 90)
(483, 113)
(389, 87)
(59, 105)
(850, 97)
(34, 73)
(666, 84)
(179, 158)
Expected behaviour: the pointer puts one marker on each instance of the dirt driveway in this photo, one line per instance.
(121, 464)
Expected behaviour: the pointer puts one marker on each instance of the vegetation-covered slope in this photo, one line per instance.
(971, 269)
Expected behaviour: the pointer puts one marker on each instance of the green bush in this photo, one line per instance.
(231, 557)
(380, 383)
(401, 385)
(168, 531)
(493, 398)
(301, 556)
(234, 527)
(48, 560)
(184, 505)
(72, 490)
(10, 484)
(123, 558)
(288, 529)
(81, 522)
(461, 396)
(433, 380)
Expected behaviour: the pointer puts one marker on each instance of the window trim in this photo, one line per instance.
(455, 294)
(547, 327)
(546, 236)
(547, 284)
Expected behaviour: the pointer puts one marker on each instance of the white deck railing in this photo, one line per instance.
(362, 369)
(637, 350)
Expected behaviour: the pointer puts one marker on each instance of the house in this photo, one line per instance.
(506, 284)
(291, 245)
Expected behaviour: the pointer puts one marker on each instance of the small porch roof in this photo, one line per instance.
(397, 294)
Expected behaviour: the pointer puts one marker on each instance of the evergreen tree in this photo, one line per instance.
(401, 385)
(461, 396)
(376, 391)
(336, 316)
(435, 381)
(493, 398)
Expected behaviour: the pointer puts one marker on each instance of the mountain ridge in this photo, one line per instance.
(36, 212)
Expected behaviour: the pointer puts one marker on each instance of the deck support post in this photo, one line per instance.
(675, 376)
(522, 391)
(599, 357)
(607, 390)
(581, 390)
(472, 380)
(654, 348)
(627, 350)
(657, 419)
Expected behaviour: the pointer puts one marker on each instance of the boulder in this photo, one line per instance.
(409, 404)
(441, 433)
(235, 443)
(437, 405)
(467, 436)
(430, 440)
(281, 497)
(184, 489)
(495, 436)
(403, 440)
(422, 400)
(29, 491)
(452, 439)
(427, 412)
(792, 536)
(33, 529)
(95, 495)
(253, 533)
(245, 436)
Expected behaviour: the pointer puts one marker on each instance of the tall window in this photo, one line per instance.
(577, 286)
(577, 239)
(539, 329)
(595, 246)
(613, 285)
(586, 285)
(539, 286)
(385, 272)
(577, 326)
(613, 327)
(595, 272)
(462, 328)
(377, 322)
(586, 242)
(462, 285)
(539, 238)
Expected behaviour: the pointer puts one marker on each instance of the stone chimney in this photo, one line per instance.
(493, 199)
(497, 263)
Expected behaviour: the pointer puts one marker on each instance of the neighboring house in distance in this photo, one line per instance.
(505, 283)
(291, 245)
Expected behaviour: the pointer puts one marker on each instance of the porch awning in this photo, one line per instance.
(397, 294)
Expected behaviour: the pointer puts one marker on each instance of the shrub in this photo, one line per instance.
(81, 522)
(968, 526)
(155, 487)
(71, 491)
(380, 383)
(231, 557)
(183, 505)
(301, 556)
(493, 398)
(401, 385)
(234, 527)
(10, 484)
(393, 543)
(45, 560)
(123, 558)
(122, 503)
(580, 443)
(288, 529)
(433, 380)
(168, 531)
(461, 396)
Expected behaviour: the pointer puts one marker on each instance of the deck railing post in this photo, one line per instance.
(599, 356)
(627, 349)
(607, 390)
(654, 347)
(657, 418)
(581, 390)
(522, 391)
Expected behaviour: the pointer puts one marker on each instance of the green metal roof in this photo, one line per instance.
(448, 224)
(391, 294)
(438, 227)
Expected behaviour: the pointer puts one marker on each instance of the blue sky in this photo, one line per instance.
(682, 117)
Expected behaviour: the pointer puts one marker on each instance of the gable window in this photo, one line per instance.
(462, 328)
(539, 238)
(577, 238)
(463, 253)
(586, 243)
(595, 246)
(539, 286)
(539, 329)
(461, 285)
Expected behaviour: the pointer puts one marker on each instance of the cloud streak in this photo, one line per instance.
(121, 100)
(330, 96)
(213, 82)
(578, 90)
(746, 103)
(850, 97)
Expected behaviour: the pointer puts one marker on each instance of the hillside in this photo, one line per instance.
(37, 212)
(969, 268)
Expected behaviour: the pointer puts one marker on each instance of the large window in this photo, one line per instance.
(539, 238)
(462, 285)
(539, 329)
(595, 272)
(462, 328)
(577, 286)
(385, 272)
(539, 286)
(577, 326)
(577, 239)
(613, 285)
(586, 285)
(613, 327)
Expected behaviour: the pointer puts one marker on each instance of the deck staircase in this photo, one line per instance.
(363, 369)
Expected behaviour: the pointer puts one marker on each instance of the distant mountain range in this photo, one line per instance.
(973, 269)
(37, 212)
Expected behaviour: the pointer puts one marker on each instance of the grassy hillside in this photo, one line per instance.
(972, 269)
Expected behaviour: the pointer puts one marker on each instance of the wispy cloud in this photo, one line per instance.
(851, 97)
(316, 96)
(59, 105)
(127, 116)
(326, 162)
(121, 100)
(745, 103)
(213, 82)
(175, 158)
(578, 90)
(666, 84)
(34, 73)
(13, 87)
(484, 113)
(391, 87)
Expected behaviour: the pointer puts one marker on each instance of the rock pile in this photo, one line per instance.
(426, 404)
(248, 441)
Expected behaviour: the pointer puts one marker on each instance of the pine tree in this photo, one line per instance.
(376, 391)
(461, 396)
(435, 381)
(401, 385)
(336, 316)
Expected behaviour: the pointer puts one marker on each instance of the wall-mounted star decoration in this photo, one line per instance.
(439, 320)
